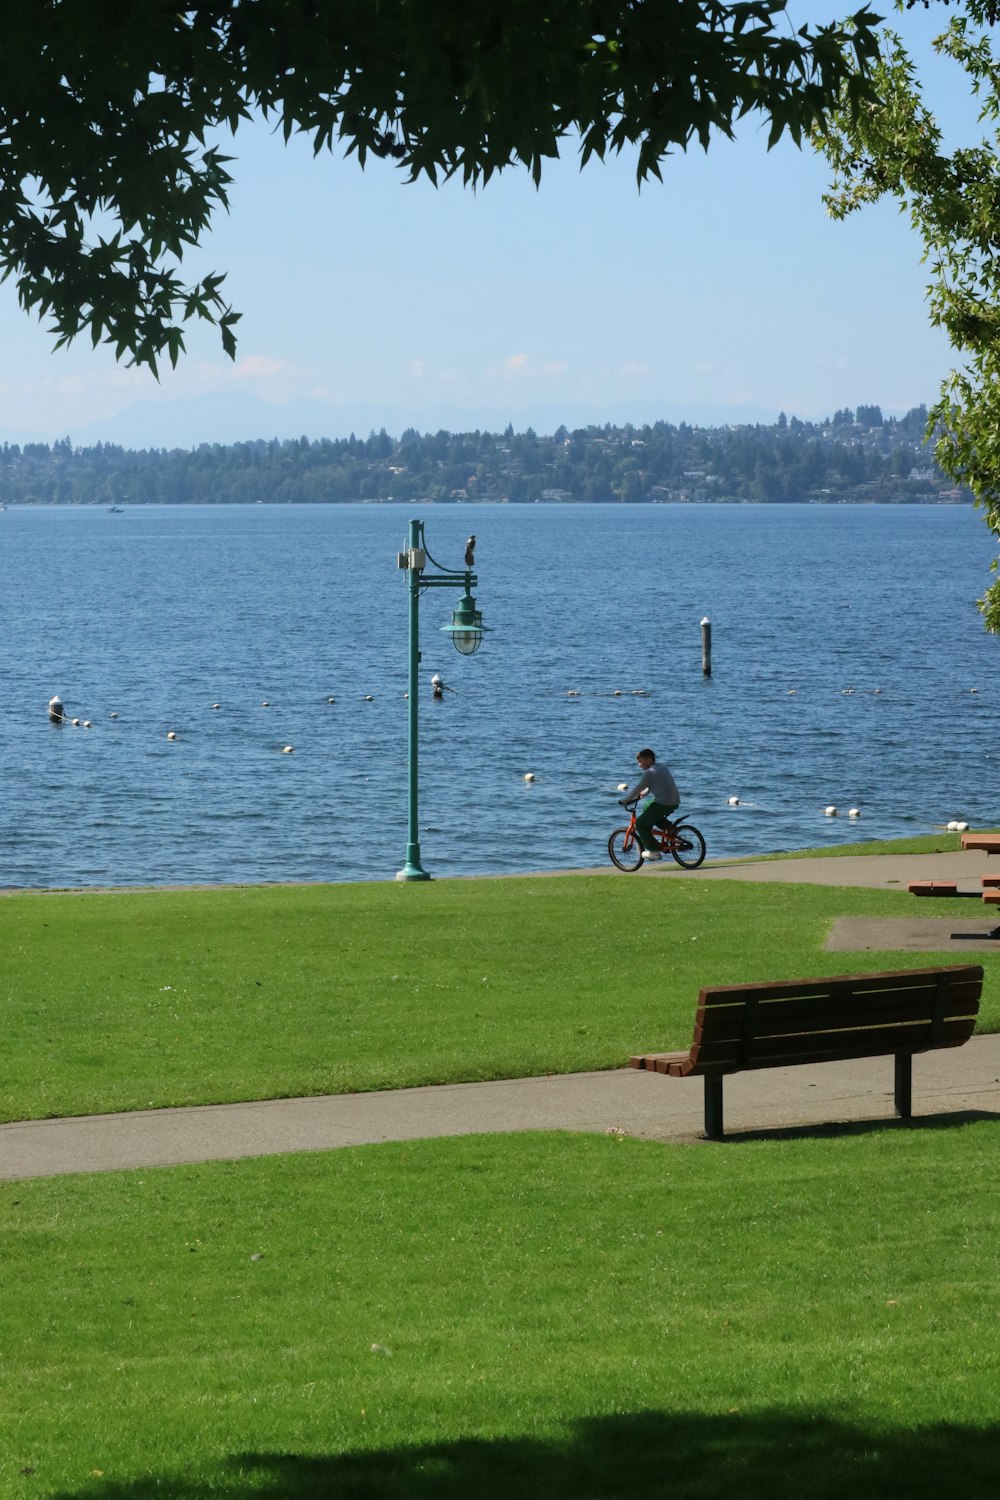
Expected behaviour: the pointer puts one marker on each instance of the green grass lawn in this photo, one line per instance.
(137, 999)
(544, 1317)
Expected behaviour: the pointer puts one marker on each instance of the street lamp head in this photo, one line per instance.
(466, 628)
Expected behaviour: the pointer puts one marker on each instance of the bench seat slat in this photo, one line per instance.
(676, 1064)
(685, 1068)
(651, 1061)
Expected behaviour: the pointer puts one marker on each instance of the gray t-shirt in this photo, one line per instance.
(658, 783)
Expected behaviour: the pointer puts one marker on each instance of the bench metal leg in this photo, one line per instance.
(713, 1108)
(904, 1084)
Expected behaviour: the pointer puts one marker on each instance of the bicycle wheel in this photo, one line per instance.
(689, 847)
(626, 855)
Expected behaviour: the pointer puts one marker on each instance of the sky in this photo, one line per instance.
(724, 294)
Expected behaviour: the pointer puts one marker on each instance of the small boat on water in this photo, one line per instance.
(116, 510)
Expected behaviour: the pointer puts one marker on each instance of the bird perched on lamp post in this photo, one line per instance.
(470, 552)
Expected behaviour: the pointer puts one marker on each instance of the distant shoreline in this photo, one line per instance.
(840, 501)
(853, 459)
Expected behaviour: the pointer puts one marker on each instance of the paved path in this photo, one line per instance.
(956, 1082)
(874, 871)
(892, 872)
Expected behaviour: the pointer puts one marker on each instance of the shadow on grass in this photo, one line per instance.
(771, 1456)
(834, 1129)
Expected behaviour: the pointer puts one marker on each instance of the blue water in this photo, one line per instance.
(850, 668)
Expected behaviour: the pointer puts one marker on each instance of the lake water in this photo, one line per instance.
(850, 668)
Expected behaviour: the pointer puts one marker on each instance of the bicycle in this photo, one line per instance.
(678, 838)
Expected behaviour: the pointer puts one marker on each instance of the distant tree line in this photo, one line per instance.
(854, 457)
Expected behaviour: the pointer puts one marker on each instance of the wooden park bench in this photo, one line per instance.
(989, 895)
(988, 842)
(739, 1027)
(990, 891)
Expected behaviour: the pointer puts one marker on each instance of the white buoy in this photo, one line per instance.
(87, 724)
(706, 647)
(623, 786)
(961, 827)
(368, 698)
(732, 801)
(57, 712)
(830, 811)
(951, 825)
(529, 775)
(617, 693)
(331, 700)
(854, 812)
(288, 750)
(265, 703)
(76, 723)
(216, 705)
(171, 735)
(573, 693)
(792, 692)
(112, 716)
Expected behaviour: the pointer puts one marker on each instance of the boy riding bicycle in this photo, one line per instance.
(657, 782)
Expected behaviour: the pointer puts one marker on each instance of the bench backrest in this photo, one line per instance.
(822, 1020)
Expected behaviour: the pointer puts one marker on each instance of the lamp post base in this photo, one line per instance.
(413, 869)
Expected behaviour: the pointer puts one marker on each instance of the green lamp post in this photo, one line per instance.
(466, 632)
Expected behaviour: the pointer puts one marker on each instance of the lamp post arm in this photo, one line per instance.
(422, 543)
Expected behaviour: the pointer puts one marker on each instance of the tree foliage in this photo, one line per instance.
(111, 114)
(855, 458)
(893, 146)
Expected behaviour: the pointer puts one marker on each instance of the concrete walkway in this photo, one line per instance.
(891, 872)
(960, 1080)
(963, 1081)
